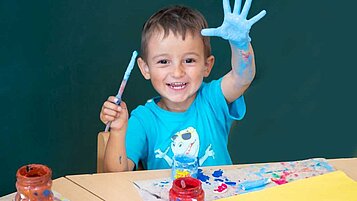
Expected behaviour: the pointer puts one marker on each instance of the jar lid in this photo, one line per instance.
(33, 172)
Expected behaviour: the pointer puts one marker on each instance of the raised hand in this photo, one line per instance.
(235, 27)
(111, 112)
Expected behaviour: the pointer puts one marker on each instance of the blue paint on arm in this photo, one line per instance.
(245, 61)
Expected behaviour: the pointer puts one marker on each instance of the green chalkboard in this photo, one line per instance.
(59, 60)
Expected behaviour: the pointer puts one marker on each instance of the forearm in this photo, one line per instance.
(115, 158)
(242, 74)
(243, 65)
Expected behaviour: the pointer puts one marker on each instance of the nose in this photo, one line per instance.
(179, 70)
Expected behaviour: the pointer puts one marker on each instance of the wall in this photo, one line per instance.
(59, 60)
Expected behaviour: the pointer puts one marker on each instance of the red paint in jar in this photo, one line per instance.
(186, 189)
(33, 183)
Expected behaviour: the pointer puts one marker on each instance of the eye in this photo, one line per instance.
(163, 61)
(189, 60)
(186, 136)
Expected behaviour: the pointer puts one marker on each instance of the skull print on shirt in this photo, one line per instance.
(185, 142)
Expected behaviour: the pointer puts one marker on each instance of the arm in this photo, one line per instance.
(115, 158)
(235, 28)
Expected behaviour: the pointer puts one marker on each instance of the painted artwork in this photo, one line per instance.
(218, 183)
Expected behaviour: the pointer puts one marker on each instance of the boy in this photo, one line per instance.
(189, 117)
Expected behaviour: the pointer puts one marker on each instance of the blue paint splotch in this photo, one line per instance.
(217, 173)
(47, 193)
(230, 183)
(221, 180)
(202, 177)
(325, 165)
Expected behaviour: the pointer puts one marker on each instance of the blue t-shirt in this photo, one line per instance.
(155, 135)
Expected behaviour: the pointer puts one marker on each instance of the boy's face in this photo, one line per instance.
(176, 68)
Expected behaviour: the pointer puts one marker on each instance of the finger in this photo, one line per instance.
(110, 112)
(113, 99)
(107, 118)
(110, 105)
(256, 18)
(123, 105)
(210, 32)
(237, 5)
(226, 7)
(102, 118)
(246, 8)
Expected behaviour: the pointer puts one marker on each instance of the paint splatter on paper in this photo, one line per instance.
(218, 183)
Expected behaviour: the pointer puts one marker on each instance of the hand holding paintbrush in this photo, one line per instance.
(106, 114)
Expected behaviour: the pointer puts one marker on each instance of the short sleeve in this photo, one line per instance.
(237, 108)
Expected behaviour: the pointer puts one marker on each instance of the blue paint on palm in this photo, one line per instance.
(235, 27)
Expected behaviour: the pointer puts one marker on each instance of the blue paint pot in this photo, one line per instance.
(184, 166)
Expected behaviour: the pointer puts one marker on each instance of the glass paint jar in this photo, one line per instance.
(184, 166)
(186, 189)
(34, 183)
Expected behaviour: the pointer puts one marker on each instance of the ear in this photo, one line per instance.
(208, 65)
(144, 68)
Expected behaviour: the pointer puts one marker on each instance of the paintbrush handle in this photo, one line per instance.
(123, 83)
(107, 126)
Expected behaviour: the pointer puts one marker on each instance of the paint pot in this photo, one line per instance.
(184, 166)
(33, 182)
(186, 189)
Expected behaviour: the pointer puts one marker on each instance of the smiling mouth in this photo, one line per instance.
(177, 85)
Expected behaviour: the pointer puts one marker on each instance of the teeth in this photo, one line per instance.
(177, 85)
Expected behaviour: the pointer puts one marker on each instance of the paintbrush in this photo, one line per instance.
(123, 83)
(153, 194)
(250, 185)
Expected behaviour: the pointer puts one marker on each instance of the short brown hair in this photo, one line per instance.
(179, 20)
